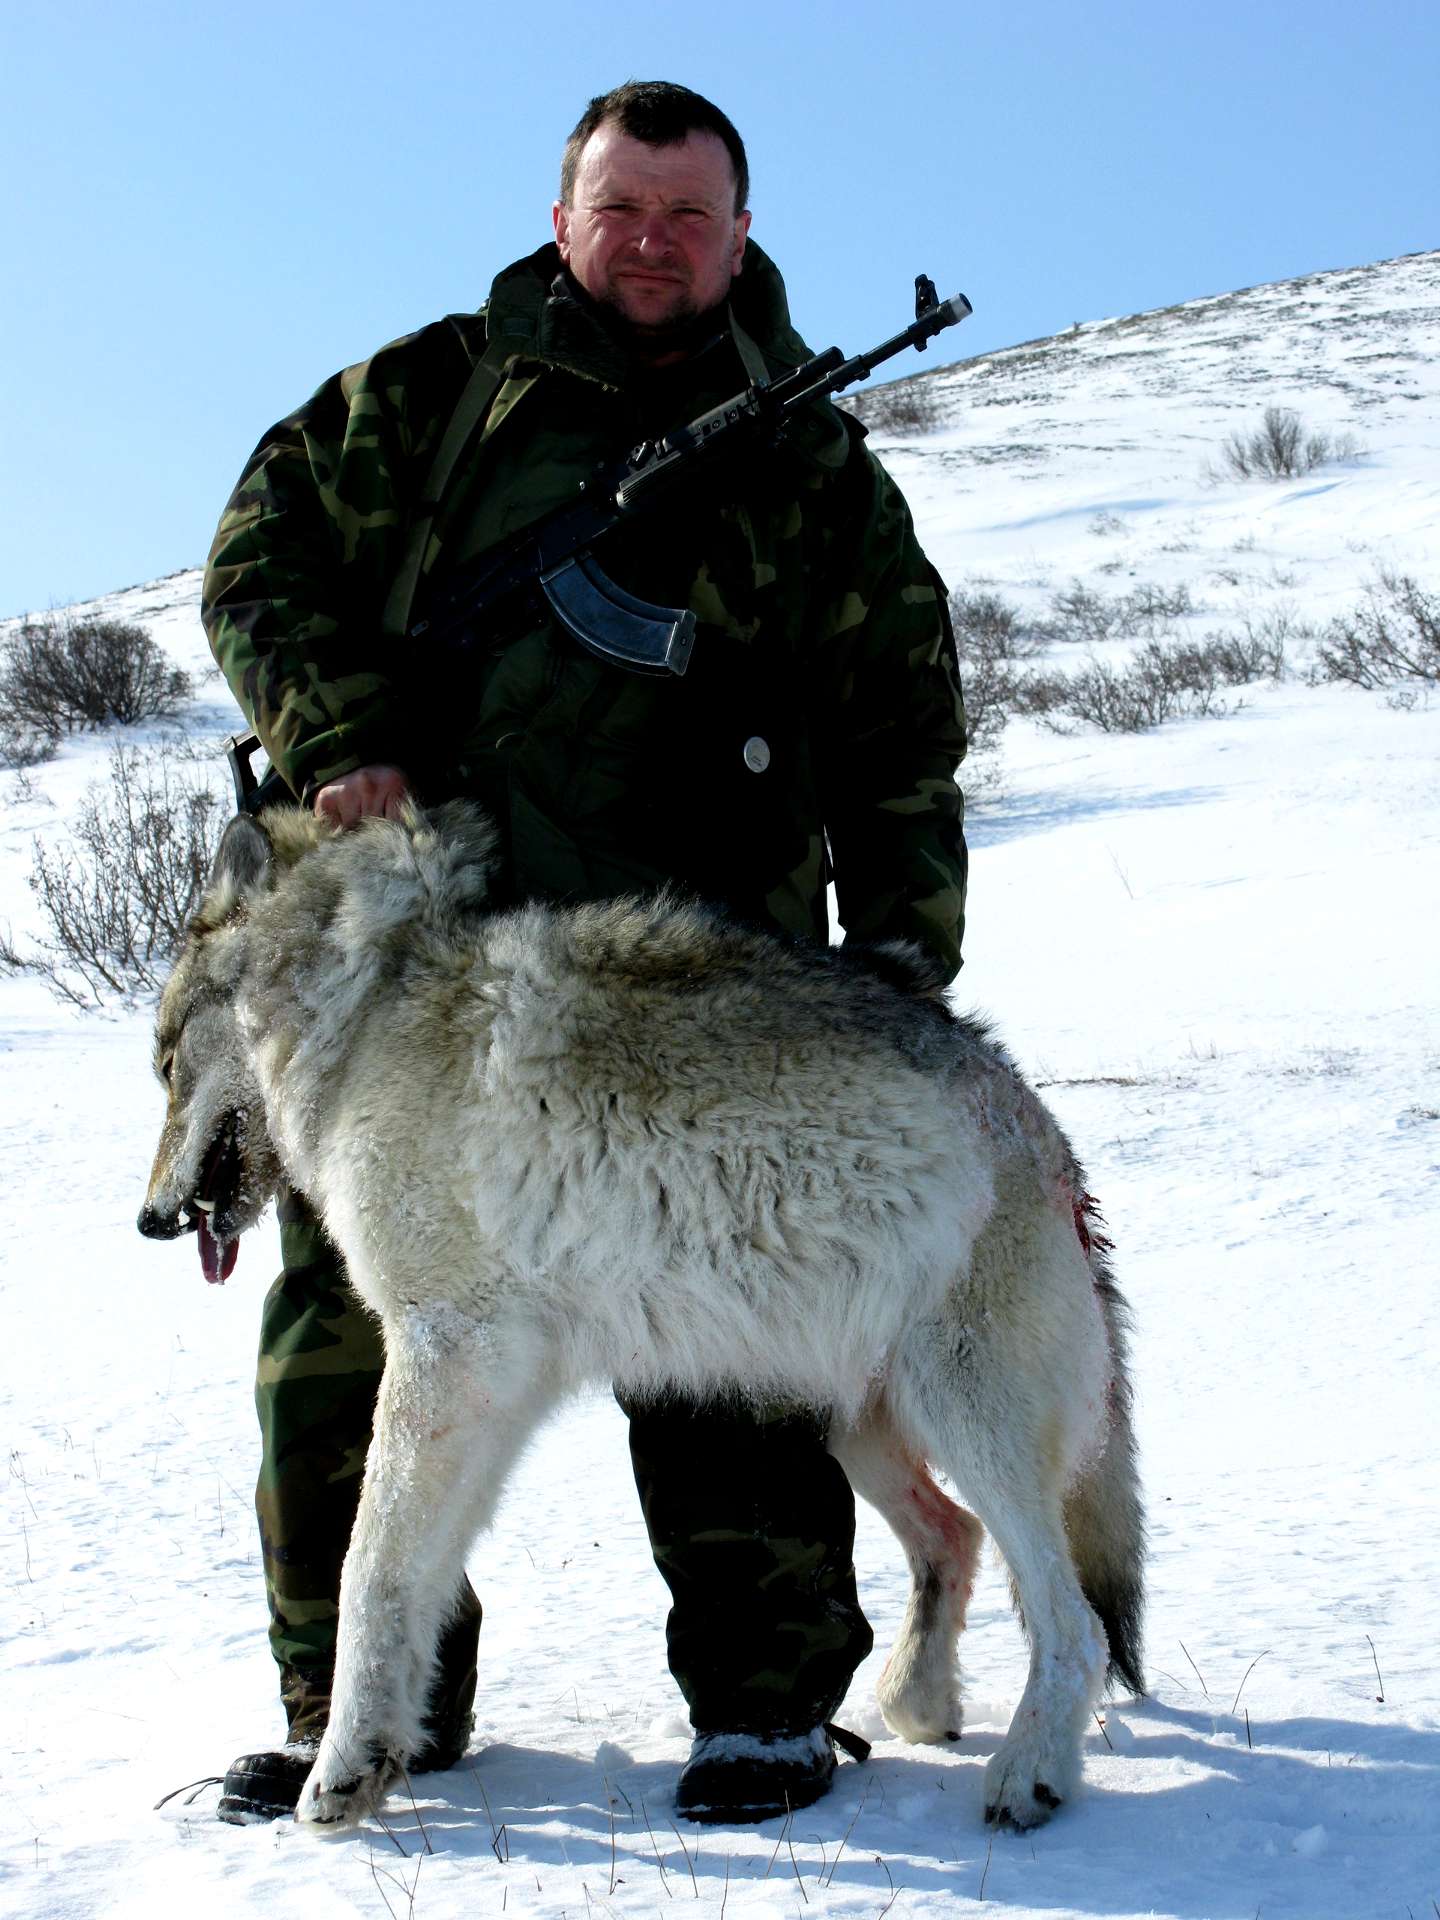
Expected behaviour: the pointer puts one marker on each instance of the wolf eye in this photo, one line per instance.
(167, 1067)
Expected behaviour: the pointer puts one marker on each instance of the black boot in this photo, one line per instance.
(743, 1777)
(266, 1786)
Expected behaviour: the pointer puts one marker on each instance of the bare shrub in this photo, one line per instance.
(991, 637)
(118, 897)
(23, 792)
(1241, 659)
(1080, 615)
(1165, 680)
(1150, 609)
(900, 406)
(1280, 448)
(24, 745)
(986, 623)
(59, 674)
(1260, 650)
(1392, 637)
(1110, 698)
(1191, 671)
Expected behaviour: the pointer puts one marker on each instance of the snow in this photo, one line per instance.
(1213, 944)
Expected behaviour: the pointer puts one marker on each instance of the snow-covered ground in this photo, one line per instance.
(1214, 945)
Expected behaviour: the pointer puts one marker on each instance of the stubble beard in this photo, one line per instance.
(681, 326)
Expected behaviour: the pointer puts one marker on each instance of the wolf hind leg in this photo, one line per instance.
(447, 1430)
(1001, 1404)
(1037, 1765)
(919, 1690)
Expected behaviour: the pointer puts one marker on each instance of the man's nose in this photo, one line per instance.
(657, 234)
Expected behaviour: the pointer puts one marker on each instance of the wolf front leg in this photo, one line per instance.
(445, 1436)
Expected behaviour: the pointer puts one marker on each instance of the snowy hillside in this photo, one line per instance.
(1212, 944)
(1088, 455)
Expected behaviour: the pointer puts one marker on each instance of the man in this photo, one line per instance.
(816, 732)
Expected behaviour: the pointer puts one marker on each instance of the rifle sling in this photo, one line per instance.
(751, 357)
(486, 378)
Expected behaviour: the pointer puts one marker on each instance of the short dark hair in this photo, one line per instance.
(661, 114)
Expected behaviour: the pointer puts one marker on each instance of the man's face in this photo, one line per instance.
(653, 231)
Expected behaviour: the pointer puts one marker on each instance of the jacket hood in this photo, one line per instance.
(529, 314)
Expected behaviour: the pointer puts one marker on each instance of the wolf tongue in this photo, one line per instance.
(217, 1257)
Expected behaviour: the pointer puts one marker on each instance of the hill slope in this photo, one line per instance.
(1063, 457)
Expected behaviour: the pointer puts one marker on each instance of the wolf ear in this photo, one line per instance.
(242, 867)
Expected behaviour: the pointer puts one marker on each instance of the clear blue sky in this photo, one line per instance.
(207, 208)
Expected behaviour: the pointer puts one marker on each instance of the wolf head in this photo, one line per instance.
(288, 890)
(215, 1168)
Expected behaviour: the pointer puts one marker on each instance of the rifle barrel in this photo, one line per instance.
(831, 372)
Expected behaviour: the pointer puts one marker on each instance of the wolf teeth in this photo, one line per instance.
(204, 1206)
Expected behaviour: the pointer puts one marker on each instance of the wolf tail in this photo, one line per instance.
(1104, 1515)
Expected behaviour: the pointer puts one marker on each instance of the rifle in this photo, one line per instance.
(556, 553)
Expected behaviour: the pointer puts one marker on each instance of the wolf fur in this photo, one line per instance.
(631, 1142)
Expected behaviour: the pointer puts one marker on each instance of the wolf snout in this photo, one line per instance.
(156, 1225)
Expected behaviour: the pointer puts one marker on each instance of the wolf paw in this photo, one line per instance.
(922, 1724)
(1023, 1789)
(339, 1796)
(919, 1706)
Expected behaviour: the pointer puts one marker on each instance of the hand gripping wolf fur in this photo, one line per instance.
(632, 1143)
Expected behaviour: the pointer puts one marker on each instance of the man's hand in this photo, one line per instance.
(367, 791)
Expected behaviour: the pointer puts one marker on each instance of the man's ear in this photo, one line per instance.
(560, 215)
(742, 229)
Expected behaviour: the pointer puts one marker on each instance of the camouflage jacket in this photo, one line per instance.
(822, 643)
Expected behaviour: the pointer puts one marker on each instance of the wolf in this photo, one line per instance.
(632, 1142)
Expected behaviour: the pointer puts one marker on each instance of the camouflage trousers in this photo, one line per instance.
(751, 1522)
